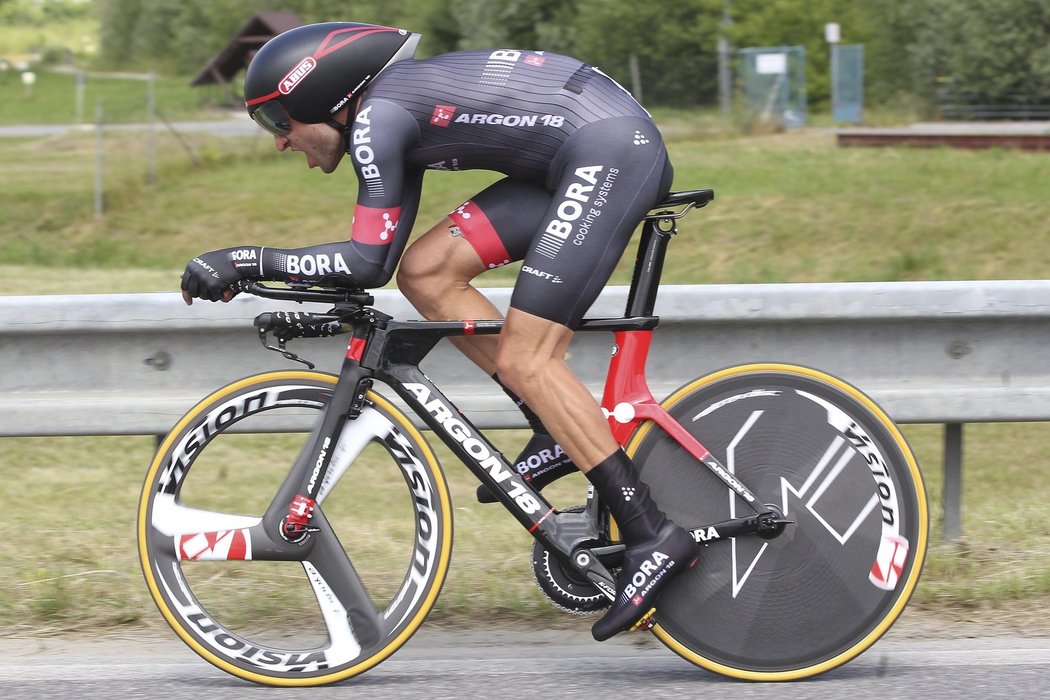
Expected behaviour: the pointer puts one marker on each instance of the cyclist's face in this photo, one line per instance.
(321, 144)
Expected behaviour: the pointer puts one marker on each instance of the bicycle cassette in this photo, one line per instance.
(564, 588)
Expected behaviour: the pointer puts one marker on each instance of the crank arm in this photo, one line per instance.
(767, 525)
(587, 563)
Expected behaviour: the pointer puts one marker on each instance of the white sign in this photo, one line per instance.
(832, 33)
(771, 63)
(28, 78)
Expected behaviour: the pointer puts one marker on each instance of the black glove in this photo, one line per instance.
(210, 275)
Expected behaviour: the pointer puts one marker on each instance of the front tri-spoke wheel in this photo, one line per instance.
(822, 453)
(293, 613)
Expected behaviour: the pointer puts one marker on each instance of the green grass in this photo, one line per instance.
(53, 98)
(46, 41)
(27, 34)
(796, 208)
(789, 207)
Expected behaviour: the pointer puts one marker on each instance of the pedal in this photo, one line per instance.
(646, 623)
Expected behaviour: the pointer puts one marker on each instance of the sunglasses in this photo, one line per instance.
(272, 116)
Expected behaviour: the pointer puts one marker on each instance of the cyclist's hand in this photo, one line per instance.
(213, 276)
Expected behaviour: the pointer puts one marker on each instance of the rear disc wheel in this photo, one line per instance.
(832, 582)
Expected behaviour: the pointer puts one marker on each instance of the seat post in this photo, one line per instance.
(648, 265)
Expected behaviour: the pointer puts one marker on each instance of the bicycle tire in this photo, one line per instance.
(832, 583)
(267, 610)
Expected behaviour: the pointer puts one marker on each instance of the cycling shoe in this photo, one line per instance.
(647, 568)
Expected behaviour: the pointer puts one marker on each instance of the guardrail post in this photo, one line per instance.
(952, 491)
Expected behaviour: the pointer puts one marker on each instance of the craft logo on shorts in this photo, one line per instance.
(443, 115)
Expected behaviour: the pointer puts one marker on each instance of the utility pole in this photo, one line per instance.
(725, 75)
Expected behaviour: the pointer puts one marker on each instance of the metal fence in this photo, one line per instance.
(955, 103)
(928, 352)
(773, 81)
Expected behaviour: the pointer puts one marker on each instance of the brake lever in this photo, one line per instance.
(282, 349)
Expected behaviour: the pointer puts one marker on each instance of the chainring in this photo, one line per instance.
(564, 588)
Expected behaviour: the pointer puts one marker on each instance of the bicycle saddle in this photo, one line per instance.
(698, 198)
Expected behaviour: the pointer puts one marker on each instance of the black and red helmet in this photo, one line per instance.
(310, 72)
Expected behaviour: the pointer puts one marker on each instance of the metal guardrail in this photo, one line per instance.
(1016, 104)
(928, 352)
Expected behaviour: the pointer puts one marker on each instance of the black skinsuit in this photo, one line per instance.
(584, 162)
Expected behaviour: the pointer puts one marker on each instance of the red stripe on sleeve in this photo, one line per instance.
(374, 226)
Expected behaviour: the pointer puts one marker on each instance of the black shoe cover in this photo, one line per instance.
(647, 567)
(541, 462)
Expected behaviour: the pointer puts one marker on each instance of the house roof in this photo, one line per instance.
(257, 31)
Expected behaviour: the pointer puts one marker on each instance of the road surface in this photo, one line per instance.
(914, 662)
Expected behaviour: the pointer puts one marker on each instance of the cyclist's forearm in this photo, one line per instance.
(310, 264)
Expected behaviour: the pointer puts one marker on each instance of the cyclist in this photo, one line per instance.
(583, 163)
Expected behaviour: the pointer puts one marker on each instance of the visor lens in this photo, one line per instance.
(273, 117)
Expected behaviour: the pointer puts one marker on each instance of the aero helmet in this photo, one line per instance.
(310, 72)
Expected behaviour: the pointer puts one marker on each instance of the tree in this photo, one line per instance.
(890, 31)
(180, 35)
(996, 50)
(675, 45)
(441, 31)
(117, 20)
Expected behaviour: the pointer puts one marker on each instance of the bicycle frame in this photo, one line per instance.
(390, 351)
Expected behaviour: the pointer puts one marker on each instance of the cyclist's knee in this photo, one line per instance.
(512, 374)
(420, 276)
(515, 374)
(412, 275)
(531, 348)
(435, 266)
(521, 367)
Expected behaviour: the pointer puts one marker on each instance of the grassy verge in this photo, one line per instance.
(73, 565)
(789, 208)
(54, 98)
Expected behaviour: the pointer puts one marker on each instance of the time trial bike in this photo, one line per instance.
(803, 496)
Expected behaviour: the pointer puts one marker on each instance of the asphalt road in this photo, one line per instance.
(532, 663)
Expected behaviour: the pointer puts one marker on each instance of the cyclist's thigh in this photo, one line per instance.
(605, 179)
(500, 221)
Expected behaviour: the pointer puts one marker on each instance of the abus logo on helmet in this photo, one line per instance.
(296, 75)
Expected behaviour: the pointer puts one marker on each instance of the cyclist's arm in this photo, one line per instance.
(387, 202)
